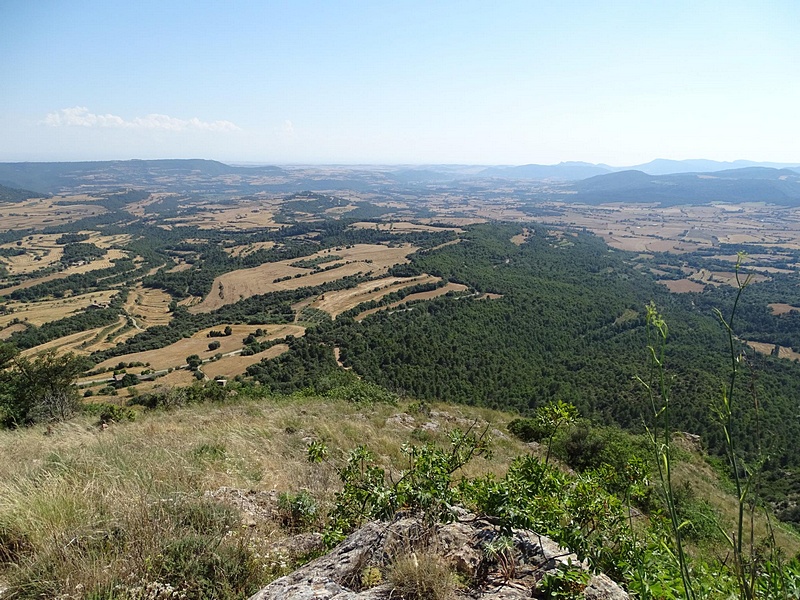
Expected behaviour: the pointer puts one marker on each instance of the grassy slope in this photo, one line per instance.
(75, 484)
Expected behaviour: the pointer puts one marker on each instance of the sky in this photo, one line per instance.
(401, 82)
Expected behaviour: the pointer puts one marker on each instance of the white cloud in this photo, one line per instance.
(79, 116)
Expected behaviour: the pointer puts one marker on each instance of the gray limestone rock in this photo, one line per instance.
(463, 546)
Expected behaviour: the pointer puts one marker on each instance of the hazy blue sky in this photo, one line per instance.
(389, 82)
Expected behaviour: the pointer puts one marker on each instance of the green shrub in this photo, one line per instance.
(297, 511)
(110, 413)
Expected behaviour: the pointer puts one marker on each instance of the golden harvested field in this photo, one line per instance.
(148, 306)
(725, 277)
(7, 332)
(231, 366)
(106, 241)
(102, 263)
(41, 252)
(450, 287)
(244, 216)
(682, 286)
(79, 343)
(335, 303)
(778, 308)
(783, 352)
(244, 250)
(245, 283)
(38, 313)
(175, 354)
(37, 213)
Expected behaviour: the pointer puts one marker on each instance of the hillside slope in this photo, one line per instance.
(222, 496)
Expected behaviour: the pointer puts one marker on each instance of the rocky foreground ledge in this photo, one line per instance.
(411, 560)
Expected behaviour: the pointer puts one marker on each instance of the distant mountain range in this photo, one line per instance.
(574, 171)
(662, 181)
(750, 184)
(52, 177)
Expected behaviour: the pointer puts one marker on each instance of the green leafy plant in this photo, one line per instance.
(297, 510)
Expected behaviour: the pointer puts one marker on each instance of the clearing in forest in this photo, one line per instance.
(769, 349)
(521, 238)
(682, 286)
(778, 308)
(375, 259)
(419, 296)
(339, 301)
(231, 366)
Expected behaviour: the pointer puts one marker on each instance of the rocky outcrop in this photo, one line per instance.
(480, 562)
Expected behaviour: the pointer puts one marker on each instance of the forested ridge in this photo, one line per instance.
(570, 325)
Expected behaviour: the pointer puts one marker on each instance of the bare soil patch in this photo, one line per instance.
(375, 259)
(682, 286)
(778, 308)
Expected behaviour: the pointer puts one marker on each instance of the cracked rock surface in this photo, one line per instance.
(359, 568)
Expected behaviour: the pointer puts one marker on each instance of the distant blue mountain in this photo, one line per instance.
(750, 184)
(575, 171)
(565, 171)
(53, 176)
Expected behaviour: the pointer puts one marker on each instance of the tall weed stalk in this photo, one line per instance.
(660, 433)
(745, 570)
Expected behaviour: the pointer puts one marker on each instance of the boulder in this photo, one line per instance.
(471, 551)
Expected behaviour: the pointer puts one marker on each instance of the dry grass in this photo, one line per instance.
(245, 283)
(421, 575)
(76, 484)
